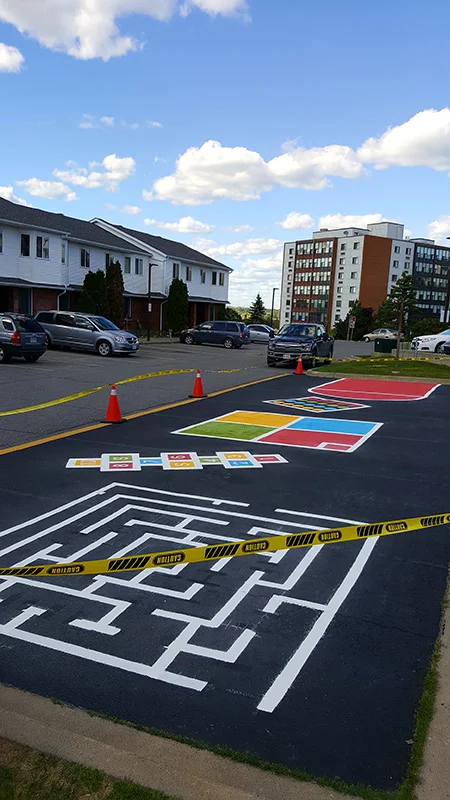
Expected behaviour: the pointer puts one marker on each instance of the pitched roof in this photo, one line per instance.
(171, 248)
(78, 229)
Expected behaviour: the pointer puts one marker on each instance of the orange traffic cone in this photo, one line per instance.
(198, 386)
(299, 367)
(113, 411)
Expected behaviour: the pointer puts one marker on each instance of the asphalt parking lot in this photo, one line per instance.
(62, 373)
(314, 659)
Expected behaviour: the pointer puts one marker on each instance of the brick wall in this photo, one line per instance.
(44, 300)
(375, 271)
(139, 314)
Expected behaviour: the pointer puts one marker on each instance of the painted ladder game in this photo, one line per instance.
(133, 462)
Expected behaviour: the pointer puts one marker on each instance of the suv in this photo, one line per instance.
(20, 336)
(230, 334)
(294, 339)
(86, 332)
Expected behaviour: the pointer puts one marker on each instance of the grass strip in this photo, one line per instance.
(410, 369)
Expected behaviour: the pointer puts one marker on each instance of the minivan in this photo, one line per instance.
(86, 332)
(228, 334)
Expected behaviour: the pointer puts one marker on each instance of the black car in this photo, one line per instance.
(446, 348)
(296, 339)
(228, 334)
(20, 337)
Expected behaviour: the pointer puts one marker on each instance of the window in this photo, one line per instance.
(342, 261)
(343, 248)
(127, 307)
(395, 264)
(42, 247)
(83, 323)
(406, 265)
(352, 290)
(138, 266)
(25, 244)
(64, 319)
(290, 265)
(353, 276)
(291, 251)
(188, 274)
(396, 249)
(222, 326)
(221, 279)
(394, 278)
(355, 245)
(45, 316)
(108, 260)
(176, 271)
(63, 253)
(202, 275)
(338, 303)
(340, 276)
(127, 267)
(408, 251)
(355, 260)
(339, 290)
(85, 258)
(351, 303)
(214, 278)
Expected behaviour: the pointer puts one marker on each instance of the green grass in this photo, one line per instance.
(26, 774)
(228, 430)
(411, 369)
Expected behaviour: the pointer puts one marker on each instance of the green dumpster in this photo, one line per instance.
(385, 345)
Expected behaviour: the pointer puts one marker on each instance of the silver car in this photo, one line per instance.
(20, 337)
(260, 333)
(86, 332)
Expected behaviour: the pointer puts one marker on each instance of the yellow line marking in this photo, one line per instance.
(65, 434)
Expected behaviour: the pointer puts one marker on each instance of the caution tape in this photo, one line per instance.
(213, 552)
(391, 360)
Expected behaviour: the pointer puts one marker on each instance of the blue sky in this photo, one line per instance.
(221, 118)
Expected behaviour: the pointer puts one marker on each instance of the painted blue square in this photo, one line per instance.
(355, 427)
(148, 462)
(241, 462)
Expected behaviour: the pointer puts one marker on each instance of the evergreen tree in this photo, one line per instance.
(115, 290)
(231, 314)
(364, 322)
(93, 298)
(177, 306)
(402, 294)
(428, 326)
(257, 310)
(385, 317)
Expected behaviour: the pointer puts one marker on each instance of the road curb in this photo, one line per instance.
(408, 379)
(122, 752)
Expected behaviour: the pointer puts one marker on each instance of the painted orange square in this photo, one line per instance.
(259, 418)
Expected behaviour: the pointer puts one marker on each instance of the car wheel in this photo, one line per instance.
(31, 358)
(228, 343)
(439, 348)
(189, 339)
(271, 363)
(312, 362)
(48, 341)
(366, 339)
(3, 355)
(104, 349)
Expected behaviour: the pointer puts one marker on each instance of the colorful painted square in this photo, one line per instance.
(120, 461)
(243, 460)
(184, 461)
(258, 418)
(226, 430)
(316, 405)
(83, 462)
(377, 389)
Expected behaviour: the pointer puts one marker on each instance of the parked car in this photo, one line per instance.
(260, 333)
(293, 340)
(382, 333)
(20, 337)
(228, 334)
(435, 342)
(86, 332)
(446, 348)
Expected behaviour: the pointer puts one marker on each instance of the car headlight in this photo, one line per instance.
(120, 339)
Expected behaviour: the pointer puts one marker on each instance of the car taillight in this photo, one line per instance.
(240, 336)
(15, 338)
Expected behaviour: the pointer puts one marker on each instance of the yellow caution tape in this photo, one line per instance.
(368, 360)
(213, 552)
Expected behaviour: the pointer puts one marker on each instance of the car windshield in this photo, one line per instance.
(445, 333)
(297, 330)
(27, 324)
(104, 324)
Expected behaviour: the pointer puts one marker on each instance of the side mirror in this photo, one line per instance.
(271, 334)
(325, 337)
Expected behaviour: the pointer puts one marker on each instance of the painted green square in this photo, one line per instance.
(120, 458)
(228, 430)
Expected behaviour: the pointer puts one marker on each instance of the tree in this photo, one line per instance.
(257, 310)
(428, 325)
(402, 296)
(115, 290)
(364, 322)
(93, 298)
(385, 317)
(231, 314)
(177, 306)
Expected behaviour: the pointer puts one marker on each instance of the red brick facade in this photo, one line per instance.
(45, 300)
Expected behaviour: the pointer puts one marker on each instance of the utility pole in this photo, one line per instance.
(275, 289)
(399, 331)
(149, 303)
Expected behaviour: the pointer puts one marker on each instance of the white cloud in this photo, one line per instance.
(88, 28)
(116, 170)
(88, 121)
(7, 192)
(150, 123)
(295, 221)
(214, 172)
(256, 275)
(238, 228)
(49, 189)
(185, 225)
(440, 228)
(348, 220)
(422, 141)
(239, 249)
(11, 59)
(108, 121)
(133, 210)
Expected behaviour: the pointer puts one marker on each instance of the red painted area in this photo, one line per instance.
(352, 388)
(336, 447)
(299, 438)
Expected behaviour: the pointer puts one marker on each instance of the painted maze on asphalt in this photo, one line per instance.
(220, 622)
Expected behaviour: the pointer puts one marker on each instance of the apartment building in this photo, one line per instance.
(431, 270)
(323, 276)
(44, 258)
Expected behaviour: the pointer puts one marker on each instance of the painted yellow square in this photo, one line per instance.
(259, 418)
(235, 456)
(181, 464)
(88, 462)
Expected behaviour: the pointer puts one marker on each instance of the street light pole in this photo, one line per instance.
(149, 294)
(275, 289)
